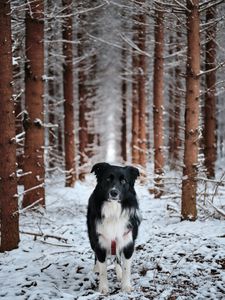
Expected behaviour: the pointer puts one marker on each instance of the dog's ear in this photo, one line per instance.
(133, 174)
(99, 168)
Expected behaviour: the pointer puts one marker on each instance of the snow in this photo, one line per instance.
(173, 259)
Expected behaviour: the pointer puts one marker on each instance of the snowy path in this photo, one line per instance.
(173, 260)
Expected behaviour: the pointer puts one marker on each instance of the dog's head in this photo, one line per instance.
(115, 181)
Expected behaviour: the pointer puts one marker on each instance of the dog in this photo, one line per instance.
(112, 220)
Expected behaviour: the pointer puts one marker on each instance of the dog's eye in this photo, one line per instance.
(110, 178)
(123, 181)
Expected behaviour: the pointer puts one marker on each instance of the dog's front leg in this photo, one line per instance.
(103, 281)
(126, 268)
(101, 261)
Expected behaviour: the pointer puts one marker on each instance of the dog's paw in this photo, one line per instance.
(103, 288)
(118, 272)
(126, 287)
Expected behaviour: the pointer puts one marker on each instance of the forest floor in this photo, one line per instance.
(173, 259)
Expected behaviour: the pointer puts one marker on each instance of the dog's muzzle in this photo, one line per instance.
(114, 194)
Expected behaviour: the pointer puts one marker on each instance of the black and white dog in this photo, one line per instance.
(113, 221)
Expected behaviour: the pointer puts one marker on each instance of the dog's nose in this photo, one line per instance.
(114, 193)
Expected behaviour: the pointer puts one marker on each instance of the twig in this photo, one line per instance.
(45, 236)
(219, 210)
(57, 245)
(217, 186)
(46, 267)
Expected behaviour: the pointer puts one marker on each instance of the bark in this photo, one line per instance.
(124, 108)
(91, 107)
(171, 107)
(189, 183)
(135, 103)
(142, 91)
(34, 90)
(177, 100)
(175, 111)
(210, 139)
(51, 117)
(83, 99)
(9, 235)
(158, 101)
(69, 137)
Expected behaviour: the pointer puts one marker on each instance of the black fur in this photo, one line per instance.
(122, 180)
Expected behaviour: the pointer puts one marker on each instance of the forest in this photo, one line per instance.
(129, 82)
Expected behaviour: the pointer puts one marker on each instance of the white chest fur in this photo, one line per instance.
(113, 226)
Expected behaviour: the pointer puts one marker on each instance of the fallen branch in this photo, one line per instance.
(45, 236)
(219, 210)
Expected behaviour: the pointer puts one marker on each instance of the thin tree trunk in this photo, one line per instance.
(142, 90)
(9, 219)
(91, 107)
(135, 105)
(83, 107)
(158, 101)
(124, 108)
(189, 183)
(177, 96)
(51, 118)
(210, 97)
(69, 137)
(33, 120)
(171, 106)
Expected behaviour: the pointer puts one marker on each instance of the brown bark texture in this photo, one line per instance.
(142, 90)
(171, 105)
(189, 182)
(210, 138)
(9, 218)
(158, 101)
(69, 137)
(83, 103)
(34, 104)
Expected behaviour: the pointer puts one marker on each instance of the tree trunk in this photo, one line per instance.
(33, 120)
(92, 107)
(142, 90)
(158, 101)
(83, 107)
(9, 218)
(124, 107)
(210, 97)
(135, 103)
(189, 183)
(177, 100)
(171, 105)
(51, 117)
(69, 137)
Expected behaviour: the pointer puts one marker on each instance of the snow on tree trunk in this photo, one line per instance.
(189, 182)
(177, 100)
(135, 102)
(33, 119)
(69, 136)
(124, 107)
(158, 101)
(83, 99)
(171, 105)
(9, 227)
(210, 97)
(142, 89)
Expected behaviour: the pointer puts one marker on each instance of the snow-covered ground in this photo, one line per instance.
(173, 259)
